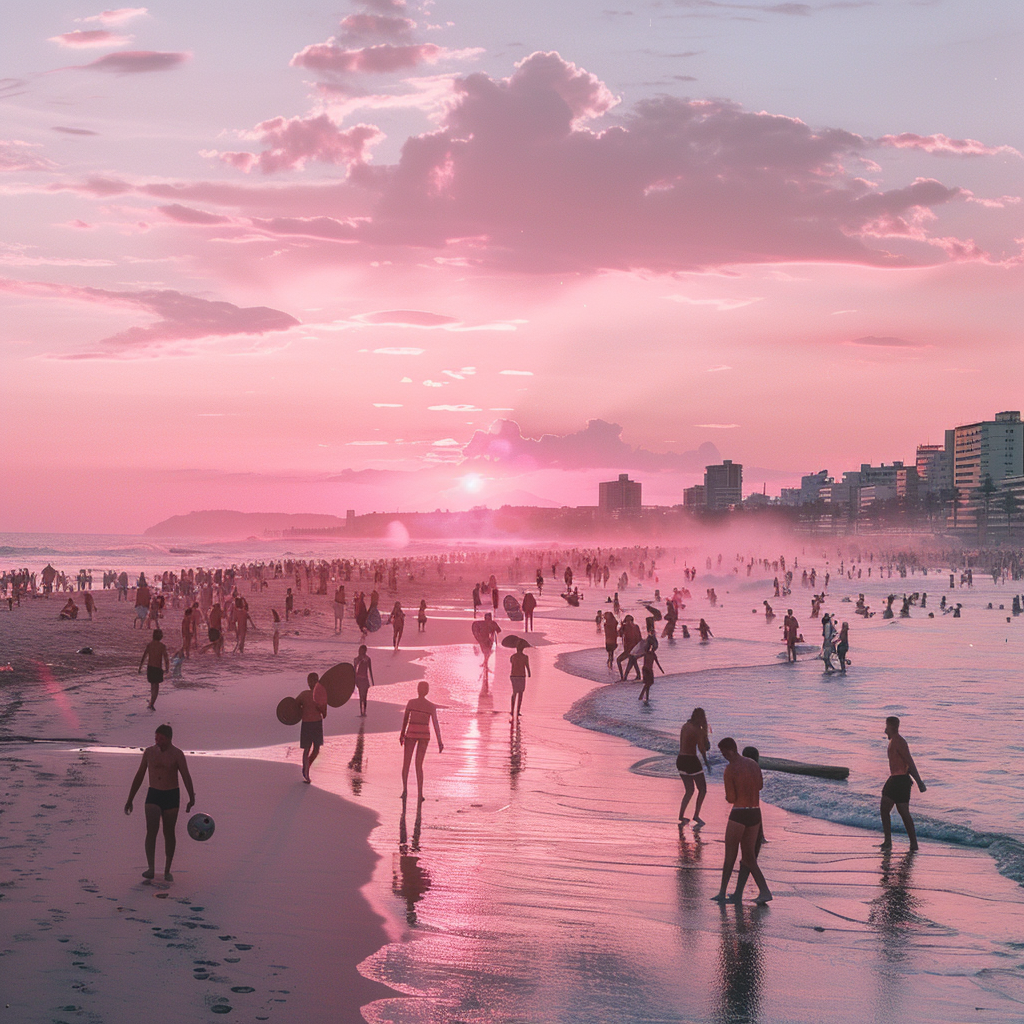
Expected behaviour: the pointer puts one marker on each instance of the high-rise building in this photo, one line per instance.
(989, 450)
(693, 497)
(723, 485)
(619, 495)
(935, 465)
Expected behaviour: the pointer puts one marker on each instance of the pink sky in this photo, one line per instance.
(401, 255)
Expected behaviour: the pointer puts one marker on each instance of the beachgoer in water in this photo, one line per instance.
(415, 735)
(843, 646)
(693, 740)
(705, 631)
(828, 632)
(519, 669)
(743, 783)
(487, 636)
(790, 631)
(363, 666)
(158, 663)
(164, 762)
(631, 636)
(743, 874)
(896, 791)
(650, 657)
(313, 706)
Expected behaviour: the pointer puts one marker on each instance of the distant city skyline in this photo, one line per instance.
(408, 255)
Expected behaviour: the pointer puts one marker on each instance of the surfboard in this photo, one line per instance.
(373, 620)
(512, 608)
(513, 641)
(339, 682)
(288, 712)
(480, 631)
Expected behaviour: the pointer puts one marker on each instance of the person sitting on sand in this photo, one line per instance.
(743, 783)
(164, 762)
(693, 740)
(159, 662)
(69, 611)
(415, 735)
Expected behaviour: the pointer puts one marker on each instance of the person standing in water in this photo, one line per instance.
(415, 735)
(164, 763)
(519, 669)
(843, 646)
(159, 663)
(743, 783)
(694, 739)
(896, 791)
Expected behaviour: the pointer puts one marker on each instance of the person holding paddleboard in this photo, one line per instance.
(313, 707)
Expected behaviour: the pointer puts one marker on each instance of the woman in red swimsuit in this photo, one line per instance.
(415, 735)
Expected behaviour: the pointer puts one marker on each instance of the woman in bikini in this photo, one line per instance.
(415, 735)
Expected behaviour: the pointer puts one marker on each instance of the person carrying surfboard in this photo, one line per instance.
(313, 707)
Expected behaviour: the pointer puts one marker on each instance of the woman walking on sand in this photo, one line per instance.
(397, 623)
(415, 735)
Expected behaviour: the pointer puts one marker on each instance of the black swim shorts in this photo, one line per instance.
(213, 634)
(165, 799)
(897, 789)
(518, 684)
(311, 735)
(748, 816)
(155, 674)
(689, 764)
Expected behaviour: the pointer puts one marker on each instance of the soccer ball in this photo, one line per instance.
(200, 826)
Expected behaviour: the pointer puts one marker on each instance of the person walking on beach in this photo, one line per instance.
(214, 631)
(650, 657)
(896, 790)
(743, 874)
(611, 636)
(519, 669)
(486, 635)
(276, 638)
(631, 636)
(289, 604)
(363, 666)
(743, 782)
(158, 663)
(529, 603)
(313, 706)
(421, 616)
(339, 608)
(693, 740)
(415, 735)
(164, 762)
(397, 623)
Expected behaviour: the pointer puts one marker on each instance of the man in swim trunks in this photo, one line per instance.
(159, 662)
(489, 630)
(214, 629)
(743, 782)
(611, 636)
(693, 739)
(313, 706)
(363, 666)
(897, 788)
(790, 631)
(164, 762)
(519, 669)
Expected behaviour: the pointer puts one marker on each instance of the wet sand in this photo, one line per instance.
(543, 881)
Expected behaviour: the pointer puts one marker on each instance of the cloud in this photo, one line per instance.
(943, 145)
(516, 373)
(136, 61)
(385, 6)
(722, 305)
(406, 318)
(883, 342)
(375, 26)
(117, 16)
(72, 131)
(89, 38)
(180, 317)
(598, 446)
(186, 215)
(716, 426)
(453, 408)
(16, 155)
(330, 58)
(398, 351)
(717, 369)
(387, 405)
(290, 142)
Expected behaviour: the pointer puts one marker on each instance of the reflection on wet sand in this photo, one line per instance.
(356, 762)
(409, 879)
(740, 965)
(516, 754)
(894, 915)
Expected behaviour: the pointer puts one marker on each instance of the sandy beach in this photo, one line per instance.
(543, 879)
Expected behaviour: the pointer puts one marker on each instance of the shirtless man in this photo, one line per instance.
(611, 636)
(790, 631)
(519, 669)
(631, 636)
(214, 630)
(896, 791)
(693, 739)
(743, 782)
(487, 636)
(186, 633)
(529, 603)
(313, 706)
(159, 663)
(164, 762)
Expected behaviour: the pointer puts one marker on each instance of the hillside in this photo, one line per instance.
(223, 524)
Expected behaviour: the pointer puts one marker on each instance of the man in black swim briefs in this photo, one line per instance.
(159, 662)
(897, 789)
(164, 762)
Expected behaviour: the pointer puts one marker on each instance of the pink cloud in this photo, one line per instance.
(136, 61)
(407, 318)
(943, 145)
(16, 155)
(290, 142)
(186, 215)
(375, 26)
(384, 6)
(87, 38)
(333, 59)
(72, 131)
(117, 16)
(598, 446)
(180, 317)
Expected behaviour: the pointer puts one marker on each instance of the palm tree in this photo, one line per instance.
(986, 490)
